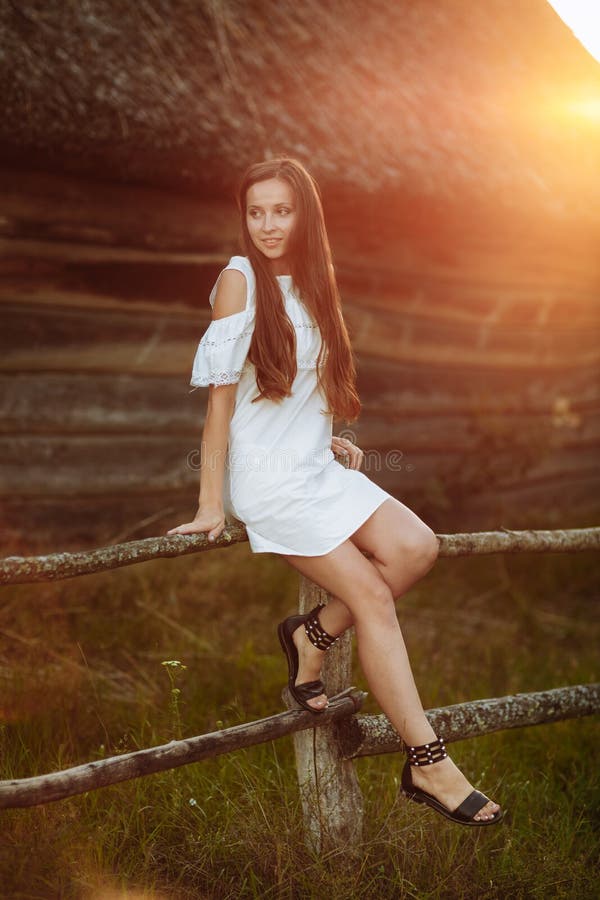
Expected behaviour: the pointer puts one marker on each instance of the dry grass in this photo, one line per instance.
(82, 678)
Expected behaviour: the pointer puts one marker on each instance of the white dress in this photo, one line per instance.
(281, 477)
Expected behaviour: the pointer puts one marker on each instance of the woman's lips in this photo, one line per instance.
(271, 242)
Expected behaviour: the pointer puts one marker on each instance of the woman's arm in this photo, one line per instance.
(210, 516)
(215, 438)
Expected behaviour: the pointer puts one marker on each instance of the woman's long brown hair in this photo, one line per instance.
(273, 346)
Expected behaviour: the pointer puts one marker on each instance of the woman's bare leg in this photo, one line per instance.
(361, 595)
(402, 549)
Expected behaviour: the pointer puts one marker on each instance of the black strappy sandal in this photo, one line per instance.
(425, 755)
(319, 638)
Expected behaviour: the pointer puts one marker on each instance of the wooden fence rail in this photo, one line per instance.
(372, 735)
(126, 766)
(359, 736)
(57, 566)
(325, 743)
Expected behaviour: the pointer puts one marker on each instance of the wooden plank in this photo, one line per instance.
(78, 340)
(75, 464)
(37, 337)
(487, 345)
(42, 523)
(55, 207)
(119, 401)
(560, 299)
(76, 253)
(98, 463)
(121, 404)
(397, 379)
(421, 292)
(107, 405)
(561, 427)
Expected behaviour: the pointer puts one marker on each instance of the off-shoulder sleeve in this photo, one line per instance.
(224, 346)
(223, 349)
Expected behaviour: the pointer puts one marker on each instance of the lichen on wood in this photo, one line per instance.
(57, 566)
(99, 773)
(559, 540)
(372, 735)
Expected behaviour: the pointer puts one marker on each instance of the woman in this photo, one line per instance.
(277, 351)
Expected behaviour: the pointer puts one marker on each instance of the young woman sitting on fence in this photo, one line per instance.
(279, 365)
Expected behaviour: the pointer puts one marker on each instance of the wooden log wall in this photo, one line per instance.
(478, 362)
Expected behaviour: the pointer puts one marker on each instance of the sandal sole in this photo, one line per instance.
(420, 797)
(448, 815)
(417, 795)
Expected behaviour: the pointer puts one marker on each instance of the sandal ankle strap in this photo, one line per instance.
(315, 632)
(426, 754)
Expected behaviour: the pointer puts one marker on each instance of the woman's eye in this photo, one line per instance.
(284, 211)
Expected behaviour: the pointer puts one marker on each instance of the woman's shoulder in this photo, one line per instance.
(241, 264)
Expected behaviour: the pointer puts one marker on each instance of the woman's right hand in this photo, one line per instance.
(211, 520)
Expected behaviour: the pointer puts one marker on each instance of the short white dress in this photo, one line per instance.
(282, 479)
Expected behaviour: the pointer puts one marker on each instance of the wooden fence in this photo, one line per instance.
(325, 743)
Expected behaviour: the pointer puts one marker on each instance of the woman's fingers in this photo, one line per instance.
(186, 528)
(346, 448)
(357, 459)
(212, 531)
(215, 532)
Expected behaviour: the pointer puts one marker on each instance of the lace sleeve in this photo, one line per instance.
(222, 351)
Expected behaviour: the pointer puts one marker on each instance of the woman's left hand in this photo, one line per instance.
(344, 447)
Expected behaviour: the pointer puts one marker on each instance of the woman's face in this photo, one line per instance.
(270, 216)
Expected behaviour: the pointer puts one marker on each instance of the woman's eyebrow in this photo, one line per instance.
(279, 203)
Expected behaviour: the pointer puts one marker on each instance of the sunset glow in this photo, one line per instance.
(583, 18)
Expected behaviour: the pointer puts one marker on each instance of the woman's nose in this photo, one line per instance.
(268, 223)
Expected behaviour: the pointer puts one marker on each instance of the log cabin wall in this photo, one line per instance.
(475, 337)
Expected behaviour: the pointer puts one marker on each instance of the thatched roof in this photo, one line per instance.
(439, 98)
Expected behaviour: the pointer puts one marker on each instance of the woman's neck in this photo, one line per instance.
(280, 267)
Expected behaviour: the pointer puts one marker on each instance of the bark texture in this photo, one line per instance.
(332, 801)
(370, 735)
(58, 566)
(100, 773)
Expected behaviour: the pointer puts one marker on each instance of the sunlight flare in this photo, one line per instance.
(583, 18)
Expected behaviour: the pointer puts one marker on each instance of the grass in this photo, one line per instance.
(81, 677)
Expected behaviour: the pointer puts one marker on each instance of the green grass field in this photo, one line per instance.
(81, 677)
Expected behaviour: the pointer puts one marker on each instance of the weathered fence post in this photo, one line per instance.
(331, 797)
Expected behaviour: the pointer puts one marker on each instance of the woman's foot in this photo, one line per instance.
(444, 781)
(310, 661)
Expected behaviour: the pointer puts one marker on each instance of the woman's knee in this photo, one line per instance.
(376, 602)
(423, 548)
